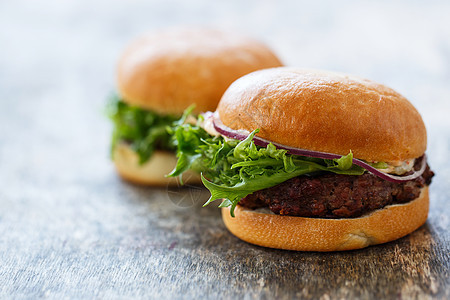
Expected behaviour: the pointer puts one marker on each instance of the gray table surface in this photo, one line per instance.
(70, 228)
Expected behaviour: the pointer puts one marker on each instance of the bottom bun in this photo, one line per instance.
(153, 171)
(264, 228)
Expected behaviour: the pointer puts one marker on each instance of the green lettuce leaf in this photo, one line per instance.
(233, 169)
(144, 130)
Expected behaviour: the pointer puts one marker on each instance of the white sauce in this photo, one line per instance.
(399, 167)
(208, 125)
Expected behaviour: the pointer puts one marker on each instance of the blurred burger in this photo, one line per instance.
(161, 74)
(311, 160)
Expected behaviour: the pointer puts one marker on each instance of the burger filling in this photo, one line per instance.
(334, 195)
(240, 172)
(143, 130)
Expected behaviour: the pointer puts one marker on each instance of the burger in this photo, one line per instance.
(311, 160)
(158, 76)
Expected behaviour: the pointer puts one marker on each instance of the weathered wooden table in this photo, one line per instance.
(69, 228)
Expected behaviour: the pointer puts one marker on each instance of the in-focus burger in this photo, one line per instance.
(161, 74)
(312, 160)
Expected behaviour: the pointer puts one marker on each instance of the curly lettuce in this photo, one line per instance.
(233, 169)
(144, 130)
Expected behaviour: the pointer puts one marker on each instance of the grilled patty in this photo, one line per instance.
(336, 196)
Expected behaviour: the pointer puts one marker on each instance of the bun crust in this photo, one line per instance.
(314, 234)
(169, 70)
(325, 111)
(153, 171)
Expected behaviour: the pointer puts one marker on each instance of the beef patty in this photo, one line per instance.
(336, 196)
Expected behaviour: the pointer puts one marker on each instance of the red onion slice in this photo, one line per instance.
(243, 134)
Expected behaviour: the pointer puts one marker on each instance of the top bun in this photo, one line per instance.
(167, 71)
(325, 111)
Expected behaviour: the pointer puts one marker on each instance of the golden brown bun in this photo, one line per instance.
(153, 171)
(325, 111)
(314, 234)
(169, 70)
